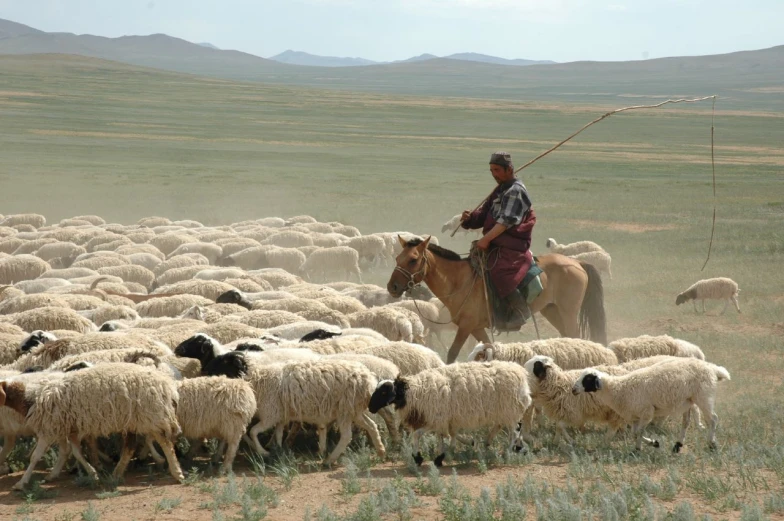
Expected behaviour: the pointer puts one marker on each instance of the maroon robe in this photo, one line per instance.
(509, 257)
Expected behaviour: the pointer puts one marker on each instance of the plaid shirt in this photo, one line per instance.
(510, 207)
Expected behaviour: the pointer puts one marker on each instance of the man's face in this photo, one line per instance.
(500, 174)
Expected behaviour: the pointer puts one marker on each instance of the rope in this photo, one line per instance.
(482, 258)
(624, 109)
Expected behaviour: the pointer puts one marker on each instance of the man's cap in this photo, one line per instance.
(501, 158)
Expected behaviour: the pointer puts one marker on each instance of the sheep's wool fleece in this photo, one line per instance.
(215, 407)
(409, 358)
(643, 346)
(568, 353)
(467, 396)
(326, 390)
(132, 399)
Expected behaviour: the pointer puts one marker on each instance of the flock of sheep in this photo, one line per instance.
(164, 329)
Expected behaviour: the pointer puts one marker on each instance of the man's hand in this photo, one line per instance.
(483, 243)
(466, 215)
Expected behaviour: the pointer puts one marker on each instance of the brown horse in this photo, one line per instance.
(572, 299)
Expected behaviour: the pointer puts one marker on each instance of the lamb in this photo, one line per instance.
(216, 407)
(600, 260)
(170, 306)
(318, 392)
(48, 318)
(392, 323)
(213, 252)
(34, 219)
(21, 267)
(572, 248)
(568, 353)
(658, 391)
(340, 259)
(47, 353)
(632, 348)
(457, 397)
(130, 273)
(720, 288)
(143, 401)
(410, 358)
(266, 319)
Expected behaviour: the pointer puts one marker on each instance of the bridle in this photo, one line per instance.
(412, 282)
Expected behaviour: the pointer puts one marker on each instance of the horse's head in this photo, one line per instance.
(410, 269)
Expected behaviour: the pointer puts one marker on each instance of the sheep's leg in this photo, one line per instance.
(76, 448)
(321, 430)
(560, 431)
(279, 435)
(695, 306)
(156, 456)
(40, 449)
(491, 435)
(364, 421)
(714, 422)
(734, 299)
(439, 460)
(703, 306)
(171, 458)
(62, 457)
(219, 451)
(129, 446)
(684, 426)
(231, 453)
(254, 437)
(294, 429)
(93, 454)
(389, 421)
(724, 309)
(8, 444)
(415, 444)
(345, 439)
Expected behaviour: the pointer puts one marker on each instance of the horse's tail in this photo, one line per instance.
(593, 322)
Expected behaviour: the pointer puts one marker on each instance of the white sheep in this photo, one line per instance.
(181, 261)
(453, 223)
(658, 391)
(213, 252)
(53, 250)
(40, 285)
(642, 346)
(103, 261)
(143, 402)
(568, 353)
(600, 260)
(278, 278)
(289, 239)
(719, 288)
(48, 318)
(409, 358)
(458, 397)
(395, 324)
(170, 306)
(21, 267)
(130, 273)
(145, 259)
(572, 248)
(296, 330)
(216, 407)
(319, 392)
(211, 289)
(339, 259)
(34, 219)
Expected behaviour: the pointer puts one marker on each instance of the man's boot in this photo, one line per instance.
(518, 311)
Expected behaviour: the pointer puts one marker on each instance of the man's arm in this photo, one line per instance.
(494, 232)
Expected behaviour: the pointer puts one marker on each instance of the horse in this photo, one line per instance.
(572, 299)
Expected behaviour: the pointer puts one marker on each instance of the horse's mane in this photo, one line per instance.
(436, 250)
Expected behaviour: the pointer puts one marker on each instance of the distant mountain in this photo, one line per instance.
(208, 45)
(484, 58)
(313, 60)
(420, 58)
(9, 29)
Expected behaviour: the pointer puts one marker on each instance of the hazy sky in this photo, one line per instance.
(560, 30)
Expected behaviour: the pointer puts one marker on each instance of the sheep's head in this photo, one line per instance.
(589, 381)
(78, 366)
(200, 346)
(383, 395)
(539, 365)
(482, 353)
(232, 364)
(550, 243)
(685, 297)
(108, 327)
(36, 339)
(234, 296)
(319, 334)
(194, 313)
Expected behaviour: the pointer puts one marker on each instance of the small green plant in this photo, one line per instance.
(108, 494)
(433, 485)
(194, 476)
(91, 513)
(286, 469)
(65, 515)
(752, 512)
(167, 504)
(26, 507)
(350, 484)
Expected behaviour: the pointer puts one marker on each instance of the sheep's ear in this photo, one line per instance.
(540, 370)
(402, 242)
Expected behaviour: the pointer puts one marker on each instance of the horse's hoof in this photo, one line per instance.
(418, 459)
(439, 461)
(677, 448)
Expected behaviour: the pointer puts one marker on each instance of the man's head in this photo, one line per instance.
(501, 167)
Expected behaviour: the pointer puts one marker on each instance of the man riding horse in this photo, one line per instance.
(507, 220)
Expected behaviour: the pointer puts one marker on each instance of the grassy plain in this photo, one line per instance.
(85, 136)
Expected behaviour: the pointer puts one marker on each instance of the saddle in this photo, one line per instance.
(529, 288)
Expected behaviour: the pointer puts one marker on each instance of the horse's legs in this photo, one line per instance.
(551, 313)
(481, 335)
(457, 344)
